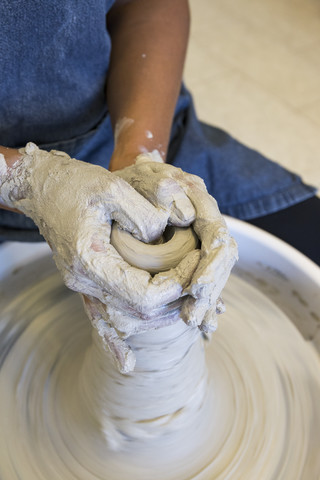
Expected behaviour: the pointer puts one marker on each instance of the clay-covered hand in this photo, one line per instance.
(186, 200)
(74, 203)
(115, 324)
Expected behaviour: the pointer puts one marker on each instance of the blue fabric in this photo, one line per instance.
(245, 183)
(54, 59)
(56, 98)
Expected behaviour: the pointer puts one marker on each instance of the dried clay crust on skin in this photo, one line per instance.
(74, 204)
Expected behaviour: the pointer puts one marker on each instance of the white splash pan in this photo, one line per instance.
(287, 277)
(282, 273)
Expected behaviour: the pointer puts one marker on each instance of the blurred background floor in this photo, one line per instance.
(253, 67)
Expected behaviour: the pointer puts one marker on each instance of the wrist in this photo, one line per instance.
(9, 159)
(133, 138)
(23, 178)
(10, 156)
(119, 162)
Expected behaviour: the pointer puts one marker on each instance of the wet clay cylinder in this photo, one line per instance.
(166, 392)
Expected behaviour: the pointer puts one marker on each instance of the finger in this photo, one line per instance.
(169, 195)
(213, 271)
(148, 315)
(127, 325)
(133, 212)
(157, 184)
(134, 288)
(202, 313)
(167, 287)
(194, 310)
(205, 290)
(102, 267)
(209, 224)
(218, 248)
(76, 278)
(220, 306)
(209, 323)
(121, 352)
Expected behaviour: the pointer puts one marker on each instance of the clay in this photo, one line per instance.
(186, 198)
(68, 412)
(74, 205)
(244, 405)
(161, 257)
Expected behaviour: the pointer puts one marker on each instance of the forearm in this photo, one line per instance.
(11, 156)
(149, 40)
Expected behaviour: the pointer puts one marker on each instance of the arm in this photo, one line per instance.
(149, 40)
(11, 156)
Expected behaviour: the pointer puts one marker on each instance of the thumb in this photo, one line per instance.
(136, 214)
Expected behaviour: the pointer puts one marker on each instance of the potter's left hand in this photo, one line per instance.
(185, 198)
(74, 203)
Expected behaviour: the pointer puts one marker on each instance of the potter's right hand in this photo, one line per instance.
(185, 198)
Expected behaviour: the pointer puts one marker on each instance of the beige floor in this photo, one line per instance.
(254, 69)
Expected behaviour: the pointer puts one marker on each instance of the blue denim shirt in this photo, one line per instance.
(54, 59)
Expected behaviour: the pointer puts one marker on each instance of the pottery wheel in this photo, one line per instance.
(265, 420)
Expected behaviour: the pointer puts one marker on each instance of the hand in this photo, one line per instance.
(73, 204)
(185, 199)
(115, 325)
